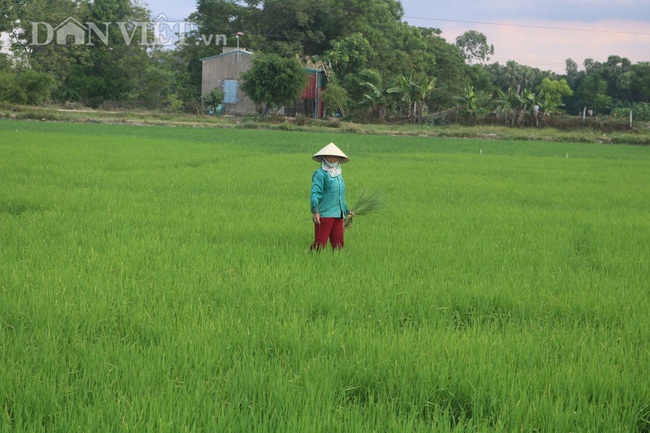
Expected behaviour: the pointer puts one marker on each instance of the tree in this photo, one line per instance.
(101, 67)
(214, 98)
(377, 100)
(553, 91)
(510, 103)
(356, 86)
(571, 69)
(618, 74)
(413, 93)
(349, 55)
(41, 57)
(445, 62)
(472, 103)
(354, 35)
(26, 87)
(159, 78)
(474, 47)
(520, 76)
(118, 65)
(640, 83)
(5, 62)
(593, 93)
(274, 81)
(335, 98)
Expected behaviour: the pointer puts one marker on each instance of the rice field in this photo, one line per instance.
(157, 279)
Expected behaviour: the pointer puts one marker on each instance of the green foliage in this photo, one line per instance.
(640, 112)
(640, 82)
(356, 84)
(593, 93)
(473, 103)
(274, 81)
(349, 55)
(377, 99)
(445, 62)
(213, 99)
(413, 94)
(474, 47)
(26, 87)
(5, 63)
(354, 38)
(100, 70)
(553, 92)
(335, 99)
(174, 103)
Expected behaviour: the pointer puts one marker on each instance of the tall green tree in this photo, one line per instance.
(119, 63)
(29, 45)
(640, 82)
(553, 92)
(592, 93)
(617, 71)
(335, 99)
(274, 81)
(349, 55)
(474, 47)
(160, 79)
(104, 66)
(445, 62)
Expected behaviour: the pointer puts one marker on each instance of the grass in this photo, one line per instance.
(639, 135)
(156, 279)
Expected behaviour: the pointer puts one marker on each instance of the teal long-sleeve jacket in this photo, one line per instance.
(328, 195)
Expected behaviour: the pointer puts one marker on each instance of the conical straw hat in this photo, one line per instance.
(330, 150)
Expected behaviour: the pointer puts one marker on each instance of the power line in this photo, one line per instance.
(531, 26)
(529, 61)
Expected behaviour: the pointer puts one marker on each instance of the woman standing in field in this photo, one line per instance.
(328, 205)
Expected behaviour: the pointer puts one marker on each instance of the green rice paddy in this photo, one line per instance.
(157, 279)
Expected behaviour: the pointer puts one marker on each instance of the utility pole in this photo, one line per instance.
(237, 35)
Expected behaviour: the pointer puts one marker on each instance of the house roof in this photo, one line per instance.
(235, 51)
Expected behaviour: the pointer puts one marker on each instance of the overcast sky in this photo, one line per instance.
(542, 34)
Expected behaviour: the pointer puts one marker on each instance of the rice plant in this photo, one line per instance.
(150, 282)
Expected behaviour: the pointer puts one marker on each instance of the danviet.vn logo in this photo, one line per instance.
(160, 31)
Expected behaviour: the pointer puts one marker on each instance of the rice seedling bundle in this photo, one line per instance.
(367, 203)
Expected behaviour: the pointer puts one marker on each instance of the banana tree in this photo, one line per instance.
(377, 100)
(506, 103)
(471, 102)
(424, 89)
(512, 103)
(413, 95)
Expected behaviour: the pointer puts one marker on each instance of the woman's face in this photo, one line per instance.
(332, 159)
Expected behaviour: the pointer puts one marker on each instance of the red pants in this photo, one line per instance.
(329, 228)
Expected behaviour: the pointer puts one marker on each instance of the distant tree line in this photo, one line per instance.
(379, 68)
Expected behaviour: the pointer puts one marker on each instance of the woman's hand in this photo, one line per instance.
(316, 218)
